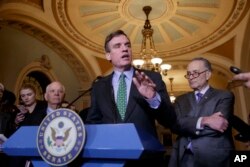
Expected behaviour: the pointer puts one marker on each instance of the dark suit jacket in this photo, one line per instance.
(103, 107)
(210, 147)
(36, 117)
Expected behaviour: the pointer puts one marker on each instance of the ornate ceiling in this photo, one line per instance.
(180, 26)
(76, 29)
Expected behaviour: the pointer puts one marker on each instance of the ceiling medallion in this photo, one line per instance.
(81, 20)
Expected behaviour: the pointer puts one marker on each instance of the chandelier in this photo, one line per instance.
(148, 54)
(171, 93)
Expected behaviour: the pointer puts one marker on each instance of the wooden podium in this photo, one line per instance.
(108, 145)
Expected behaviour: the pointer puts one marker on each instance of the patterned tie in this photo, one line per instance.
(199, 96)
(122, 96)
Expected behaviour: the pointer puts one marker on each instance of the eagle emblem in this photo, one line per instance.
(59, 136)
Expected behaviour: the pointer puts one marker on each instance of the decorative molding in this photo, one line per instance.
(45, 62)
(35, 3)
(63, 20)
(54, 44)
(240, 7)
(33, 66)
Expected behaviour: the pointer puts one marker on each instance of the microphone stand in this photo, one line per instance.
(85, 92)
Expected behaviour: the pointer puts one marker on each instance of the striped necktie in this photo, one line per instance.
(122, 96)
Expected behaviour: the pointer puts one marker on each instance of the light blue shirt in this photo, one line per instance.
(154, 102)
(128, 80)
(49, 110)
(203, 91)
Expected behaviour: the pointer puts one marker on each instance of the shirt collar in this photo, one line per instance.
(49, 110)
(203, 91)
(129, 73)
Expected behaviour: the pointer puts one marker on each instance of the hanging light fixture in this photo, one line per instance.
(171, 94)
(148, 54)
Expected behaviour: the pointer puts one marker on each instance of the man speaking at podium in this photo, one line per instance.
(129, 95)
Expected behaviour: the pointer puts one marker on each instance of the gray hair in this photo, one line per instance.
(207, 64)
(48, 87)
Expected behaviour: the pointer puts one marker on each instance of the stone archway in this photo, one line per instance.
(37, 73)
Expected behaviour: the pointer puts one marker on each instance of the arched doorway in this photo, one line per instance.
(39, 80)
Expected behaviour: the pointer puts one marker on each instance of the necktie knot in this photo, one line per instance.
(122, 76)
(199, 96)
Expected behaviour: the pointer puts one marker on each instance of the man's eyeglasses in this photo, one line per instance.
(195, 74)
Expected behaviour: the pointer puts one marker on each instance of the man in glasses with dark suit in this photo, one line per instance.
(203, 118)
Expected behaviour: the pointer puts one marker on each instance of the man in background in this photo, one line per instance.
(203, 116)
(54, 95)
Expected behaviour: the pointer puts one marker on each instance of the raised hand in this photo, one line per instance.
(144, 84)
(21, 115)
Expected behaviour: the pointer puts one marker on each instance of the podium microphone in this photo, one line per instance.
(85, 92)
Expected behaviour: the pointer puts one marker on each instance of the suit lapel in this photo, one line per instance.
(201, 104)
(109, 94)
(133, 95)
(191, 105)
(206, 96)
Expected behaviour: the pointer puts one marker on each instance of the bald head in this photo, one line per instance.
(54, 94)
